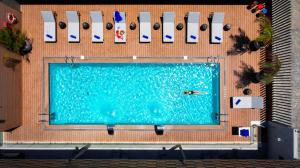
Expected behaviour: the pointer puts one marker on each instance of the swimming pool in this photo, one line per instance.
(133, 94)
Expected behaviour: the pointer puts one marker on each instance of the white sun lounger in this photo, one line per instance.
(73, 26)
(247, 102)
(193, 27)
(97, 26)
(168, 27)
(120, 27)
(145, 27)
(217, 27)
(49, 26)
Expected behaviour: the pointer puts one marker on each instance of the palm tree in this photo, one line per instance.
(265, 37)
(269, 70)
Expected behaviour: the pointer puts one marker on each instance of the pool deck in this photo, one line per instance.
(33, 130)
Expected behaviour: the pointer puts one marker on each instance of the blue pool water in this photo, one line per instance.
(134, 93)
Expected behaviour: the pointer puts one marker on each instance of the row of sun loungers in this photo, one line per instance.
(120, 27)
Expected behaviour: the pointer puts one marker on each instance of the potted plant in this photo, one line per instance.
(14, 40)
(269, 70)
(265, 37)
(27, 47)
(255, 45)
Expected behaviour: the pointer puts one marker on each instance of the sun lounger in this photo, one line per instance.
(217, 27)
(145, 27)
(247, 102)
(193, 27)
(120, 27)
(49, 26)
(168, 27)
(97, 26)
(73, 26)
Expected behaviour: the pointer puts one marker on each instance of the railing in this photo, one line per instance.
(79, 152)
(282, 47)
(182, 154)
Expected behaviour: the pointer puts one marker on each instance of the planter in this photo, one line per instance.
(247, 91)
(179, 26)
(254, 10)
(109, 26)
(85, 25)
(156, 26)
(62, 25)
(203, 27)
(227, 27)
(26, 49)
(132, 26)
(254, 45)
(259, 15)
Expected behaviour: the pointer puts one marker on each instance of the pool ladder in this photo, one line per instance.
(218, 117)
(43, 119)
(212, 59)
(70, 59)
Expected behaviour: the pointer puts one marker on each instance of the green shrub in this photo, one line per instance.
(265, 36)
(269, 70)
(12, 39)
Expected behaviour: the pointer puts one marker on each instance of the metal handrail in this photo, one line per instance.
(80, 152)
(183, 156)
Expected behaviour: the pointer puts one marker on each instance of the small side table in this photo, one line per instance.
(247, 91)
(235, 130)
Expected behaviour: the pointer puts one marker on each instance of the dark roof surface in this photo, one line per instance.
(213, 2)
(150, 163)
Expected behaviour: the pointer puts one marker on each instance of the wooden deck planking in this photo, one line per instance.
(32, 130)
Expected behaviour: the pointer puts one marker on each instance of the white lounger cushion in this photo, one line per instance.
(145, 27)
(247, 102)
(217, 27)
(73, 26)
(120, 27)
(168, 26)
(49, 26)
(97, 26)
(193, 27)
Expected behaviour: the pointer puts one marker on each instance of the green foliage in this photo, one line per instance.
(265, 76)
(269, 70)
(12, 39)
(266, 33)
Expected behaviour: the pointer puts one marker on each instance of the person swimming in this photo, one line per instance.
(191, 92)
